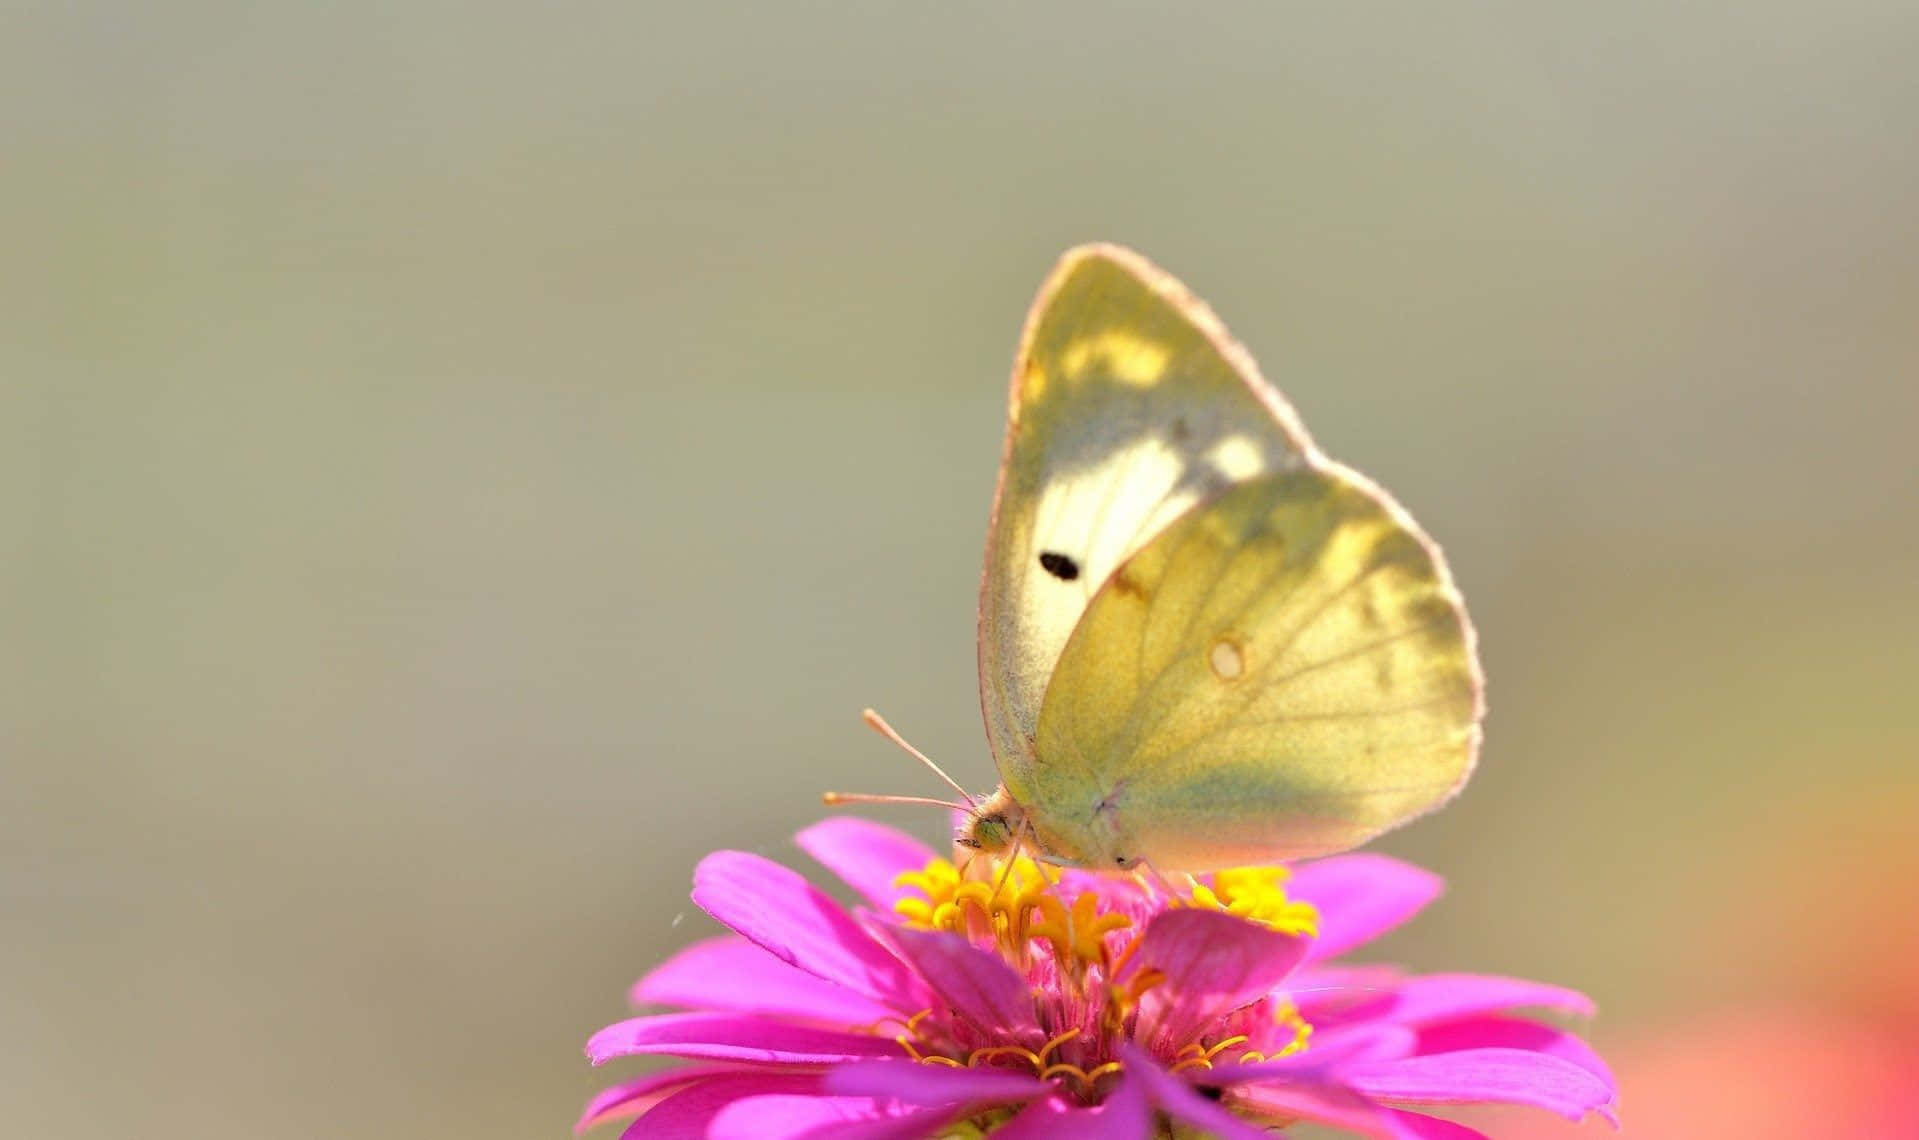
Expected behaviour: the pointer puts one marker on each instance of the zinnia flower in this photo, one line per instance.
(1024, 1002)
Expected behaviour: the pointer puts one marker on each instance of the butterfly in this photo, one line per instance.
(1202, 642)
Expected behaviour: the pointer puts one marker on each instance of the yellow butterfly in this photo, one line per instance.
(1202, 643)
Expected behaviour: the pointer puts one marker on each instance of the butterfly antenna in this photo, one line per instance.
(834, 799)
(878, 724)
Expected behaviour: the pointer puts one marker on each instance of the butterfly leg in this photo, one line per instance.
(1012, 856)
(1149, 876)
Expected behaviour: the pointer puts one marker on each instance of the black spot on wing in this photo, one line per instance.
(1059, 566)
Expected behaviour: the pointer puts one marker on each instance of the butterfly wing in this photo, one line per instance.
(1129, 404)
(1284, 671)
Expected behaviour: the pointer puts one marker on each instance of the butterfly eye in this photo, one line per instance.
(989, 833)
(1059, 566)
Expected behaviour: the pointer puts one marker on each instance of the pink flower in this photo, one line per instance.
(1071, 1005)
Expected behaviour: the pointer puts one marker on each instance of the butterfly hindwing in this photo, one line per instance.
(1285, 670)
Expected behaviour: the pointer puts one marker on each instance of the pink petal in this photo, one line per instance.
(799, 1117)
(630, 1098)
(1309, 1086)
(732, 975)
(1333, 995)
(1214, 963)
(1434, 1128)
(975, 985)
(867, 855)
(1366, 1041)
(1314, 1095)
(1345, 978)
(1124, 1116)
(1478, 1076)
(1513, 1033)
(1442, 997)
(1360, 897)
(794, 920)
(731, 1037)
(1114, 892)
(689, 1113)
(1173, 1097)
(915, 1083)
(1340, 1047)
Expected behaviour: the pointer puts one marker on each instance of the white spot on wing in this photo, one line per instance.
(1237, 457)
(1227, 660)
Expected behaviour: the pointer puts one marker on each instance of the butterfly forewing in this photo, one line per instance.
(1129, 405)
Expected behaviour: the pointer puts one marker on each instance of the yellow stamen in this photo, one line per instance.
(1089, 1079)
(979, 1057)
(958, 901)
(1142, 982)
(1288, 1014)
(1047, 1050)
(1223, 1045)
(1258, 894)
(1078, 937)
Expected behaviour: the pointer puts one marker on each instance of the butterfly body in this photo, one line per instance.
(1202, 642)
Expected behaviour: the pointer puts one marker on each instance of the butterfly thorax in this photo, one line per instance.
(1002, 826)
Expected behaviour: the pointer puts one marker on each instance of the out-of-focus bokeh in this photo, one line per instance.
(460, 463)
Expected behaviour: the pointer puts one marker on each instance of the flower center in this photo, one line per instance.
(1070, 946)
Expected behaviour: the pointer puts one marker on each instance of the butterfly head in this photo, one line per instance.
(1000, 827)
(994, 825)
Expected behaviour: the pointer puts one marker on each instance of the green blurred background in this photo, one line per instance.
(461, 463)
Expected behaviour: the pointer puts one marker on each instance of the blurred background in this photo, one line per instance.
(461, 463)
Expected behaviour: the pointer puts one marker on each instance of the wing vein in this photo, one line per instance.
(1342, 714)
(1359, 651)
